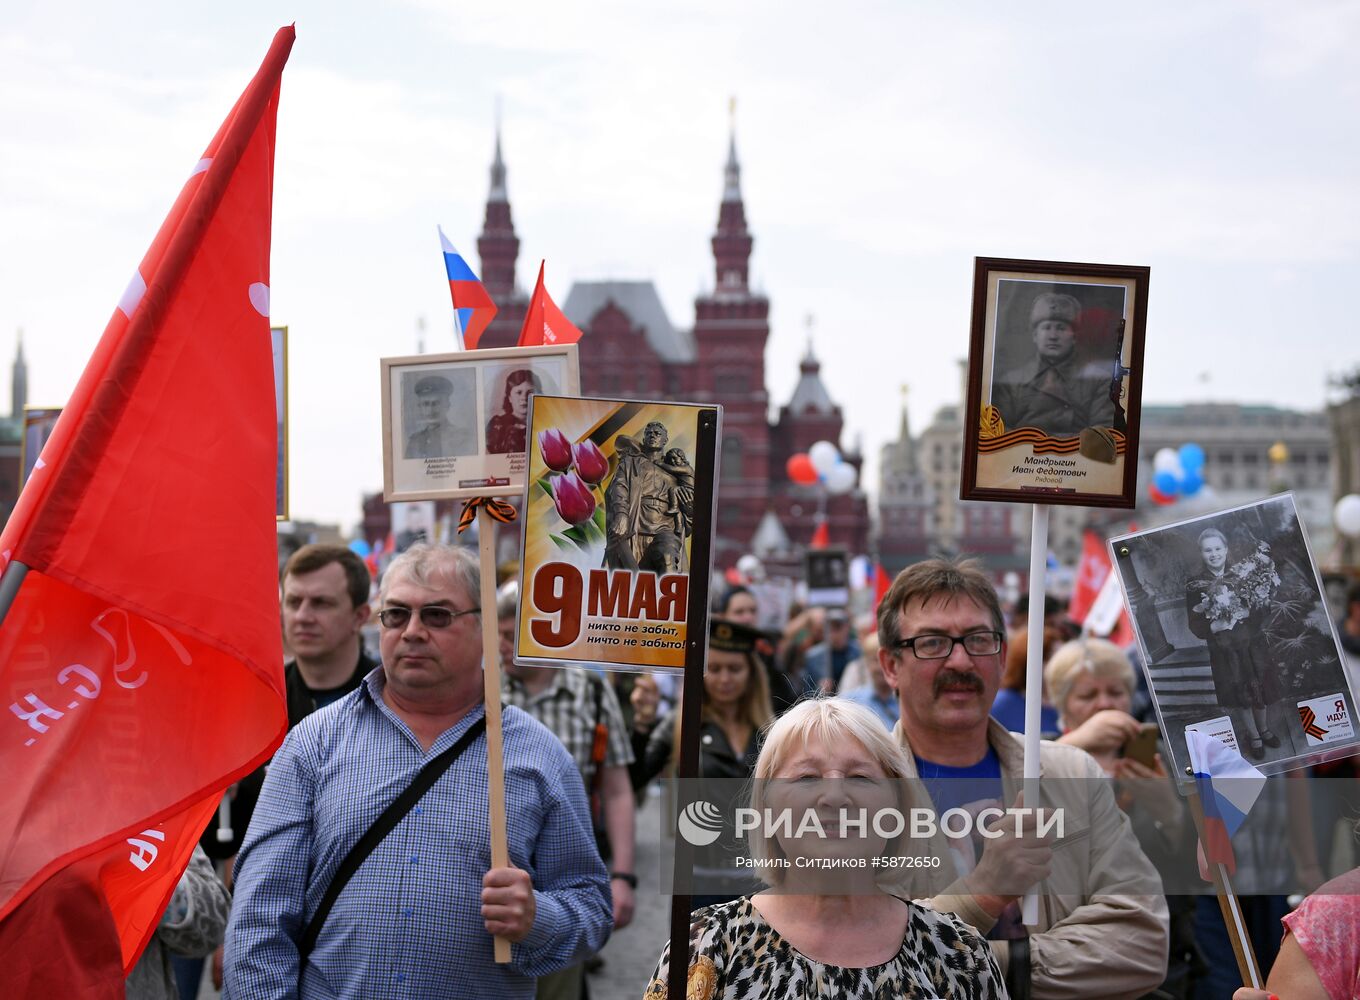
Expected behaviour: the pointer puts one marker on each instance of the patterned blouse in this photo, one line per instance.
(736, 955)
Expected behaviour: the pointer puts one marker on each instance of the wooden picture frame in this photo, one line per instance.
(471, 438)
(1055, 380)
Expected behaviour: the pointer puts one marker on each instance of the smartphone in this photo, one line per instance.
(1143, 746)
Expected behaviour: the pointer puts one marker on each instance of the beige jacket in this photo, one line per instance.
(1107, 941)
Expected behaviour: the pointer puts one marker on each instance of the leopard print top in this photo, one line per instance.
(736, 955)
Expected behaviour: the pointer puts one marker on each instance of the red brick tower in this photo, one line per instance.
(498, 247)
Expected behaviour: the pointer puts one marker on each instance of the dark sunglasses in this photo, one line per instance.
(431, 616)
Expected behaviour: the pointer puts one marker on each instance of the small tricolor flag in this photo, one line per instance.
(473, 309)
(544, 323)
(1228, 787)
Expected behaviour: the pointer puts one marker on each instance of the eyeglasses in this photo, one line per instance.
(938, 647)
(431, 616)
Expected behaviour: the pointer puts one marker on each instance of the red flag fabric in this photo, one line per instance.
(544, 323)
(881, 584)
(1091, 575)
(821, 538)
(140, 662)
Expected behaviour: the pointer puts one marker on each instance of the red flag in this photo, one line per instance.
(881, 584)
(1091, 576)
(821, 538)
(140, 660)
(544, 322)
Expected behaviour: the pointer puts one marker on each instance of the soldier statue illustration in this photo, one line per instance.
(649, 504)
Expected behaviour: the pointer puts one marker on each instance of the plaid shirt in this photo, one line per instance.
(409, 924)
(567, 708)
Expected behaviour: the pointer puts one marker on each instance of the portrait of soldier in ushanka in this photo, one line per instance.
(649, 504)
(1051, 391)
(435, 436)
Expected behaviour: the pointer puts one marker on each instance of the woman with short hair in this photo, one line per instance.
(818, 932)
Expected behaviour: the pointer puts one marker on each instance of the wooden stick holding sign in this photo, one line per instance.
(491, 680)
(1034, 680)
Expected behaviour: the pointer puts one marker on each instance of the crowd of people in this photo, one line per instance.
(359, 861)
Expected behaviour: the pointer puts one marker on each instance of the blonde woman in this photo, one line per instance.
(827, 935)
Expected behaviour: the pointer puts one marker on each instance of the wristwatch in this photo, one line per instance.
(626, 877)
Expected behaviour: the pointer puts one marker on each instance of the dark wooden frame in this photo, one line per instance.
(1134, 335)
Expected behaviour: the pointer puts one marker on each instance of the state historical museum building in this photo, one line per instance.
(630, 349)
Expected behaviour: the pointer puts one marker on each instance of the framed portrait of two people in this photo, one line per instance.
(1054, 382)
(456, 425)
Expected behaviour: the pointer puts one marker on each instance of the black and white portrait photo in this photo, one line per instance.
(1054, 359)
(1234, 628)
(507, 389)
(439, 410)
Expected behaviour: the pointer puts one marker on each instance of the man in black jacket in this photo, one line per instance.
(325, 605)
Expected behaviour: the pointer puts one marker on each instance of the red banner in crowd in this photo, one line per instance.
(544, 323)
(140, 661)
(1092, 575)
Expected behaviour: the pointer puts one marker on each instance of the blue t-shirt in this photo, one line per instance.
(1009, 710)
(972, 788)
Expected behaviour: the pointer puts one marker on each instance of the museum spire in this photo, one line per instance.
(498, 246)
(732, 242)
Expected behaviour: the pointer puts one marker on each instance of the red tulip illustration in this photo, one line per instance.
(573, 498)
(556, 449)
(590, 461)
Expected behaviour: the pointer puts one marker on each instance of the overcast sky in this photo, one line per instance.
(883, 146)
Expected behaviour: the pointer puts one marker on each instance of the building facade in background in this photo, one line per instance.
(631, 348)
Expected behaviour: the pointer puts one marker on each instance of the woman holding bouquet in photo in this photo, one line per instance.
(1226, 606)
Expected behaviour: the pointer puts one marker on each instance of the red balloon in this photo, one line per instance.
(801, 469)
(1158, 497)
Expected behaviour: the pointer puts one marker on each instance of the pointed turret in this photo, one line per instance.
(810, 395)
(18, 386)
(732, 242)
(498, 246)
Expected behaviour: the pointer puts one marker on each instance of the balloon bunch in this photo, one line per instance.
(1176, 472)
(822, 463)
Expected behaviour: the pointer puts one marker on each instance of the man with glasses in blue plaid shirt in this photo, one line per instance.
(418, 915)
(1101, 931)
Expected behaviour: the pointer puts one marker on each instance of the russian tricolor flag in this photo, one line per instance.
(472, 306)
(1228, 788)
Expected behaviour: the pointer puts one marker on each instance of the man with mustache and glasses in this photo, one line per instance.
(1101, 931)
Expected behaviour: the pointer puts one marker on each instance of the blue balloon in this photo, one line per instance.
(360, 548)
(1166, 482)
(1192, 457)
(1192, 483)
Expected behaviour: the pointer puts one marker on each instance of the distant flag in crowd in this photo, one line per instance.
(881, 584)
(821, 537)
(1228, 787)
(473, 309)
(544, 323)
(141, 656)
(1097, 600)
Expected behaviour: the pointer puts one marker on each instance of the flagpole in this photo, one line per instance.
(1247, 966)
(491, 679)
(1034, 679)
(10, 582)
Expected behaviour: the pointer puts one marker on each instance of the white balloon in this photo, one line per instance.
(1167, 460)
(750, 567)
(825, 456)
(841, 479)
(1346, 514)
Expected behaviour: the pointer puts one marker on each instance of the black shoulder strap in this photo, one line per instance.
(381, 827)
